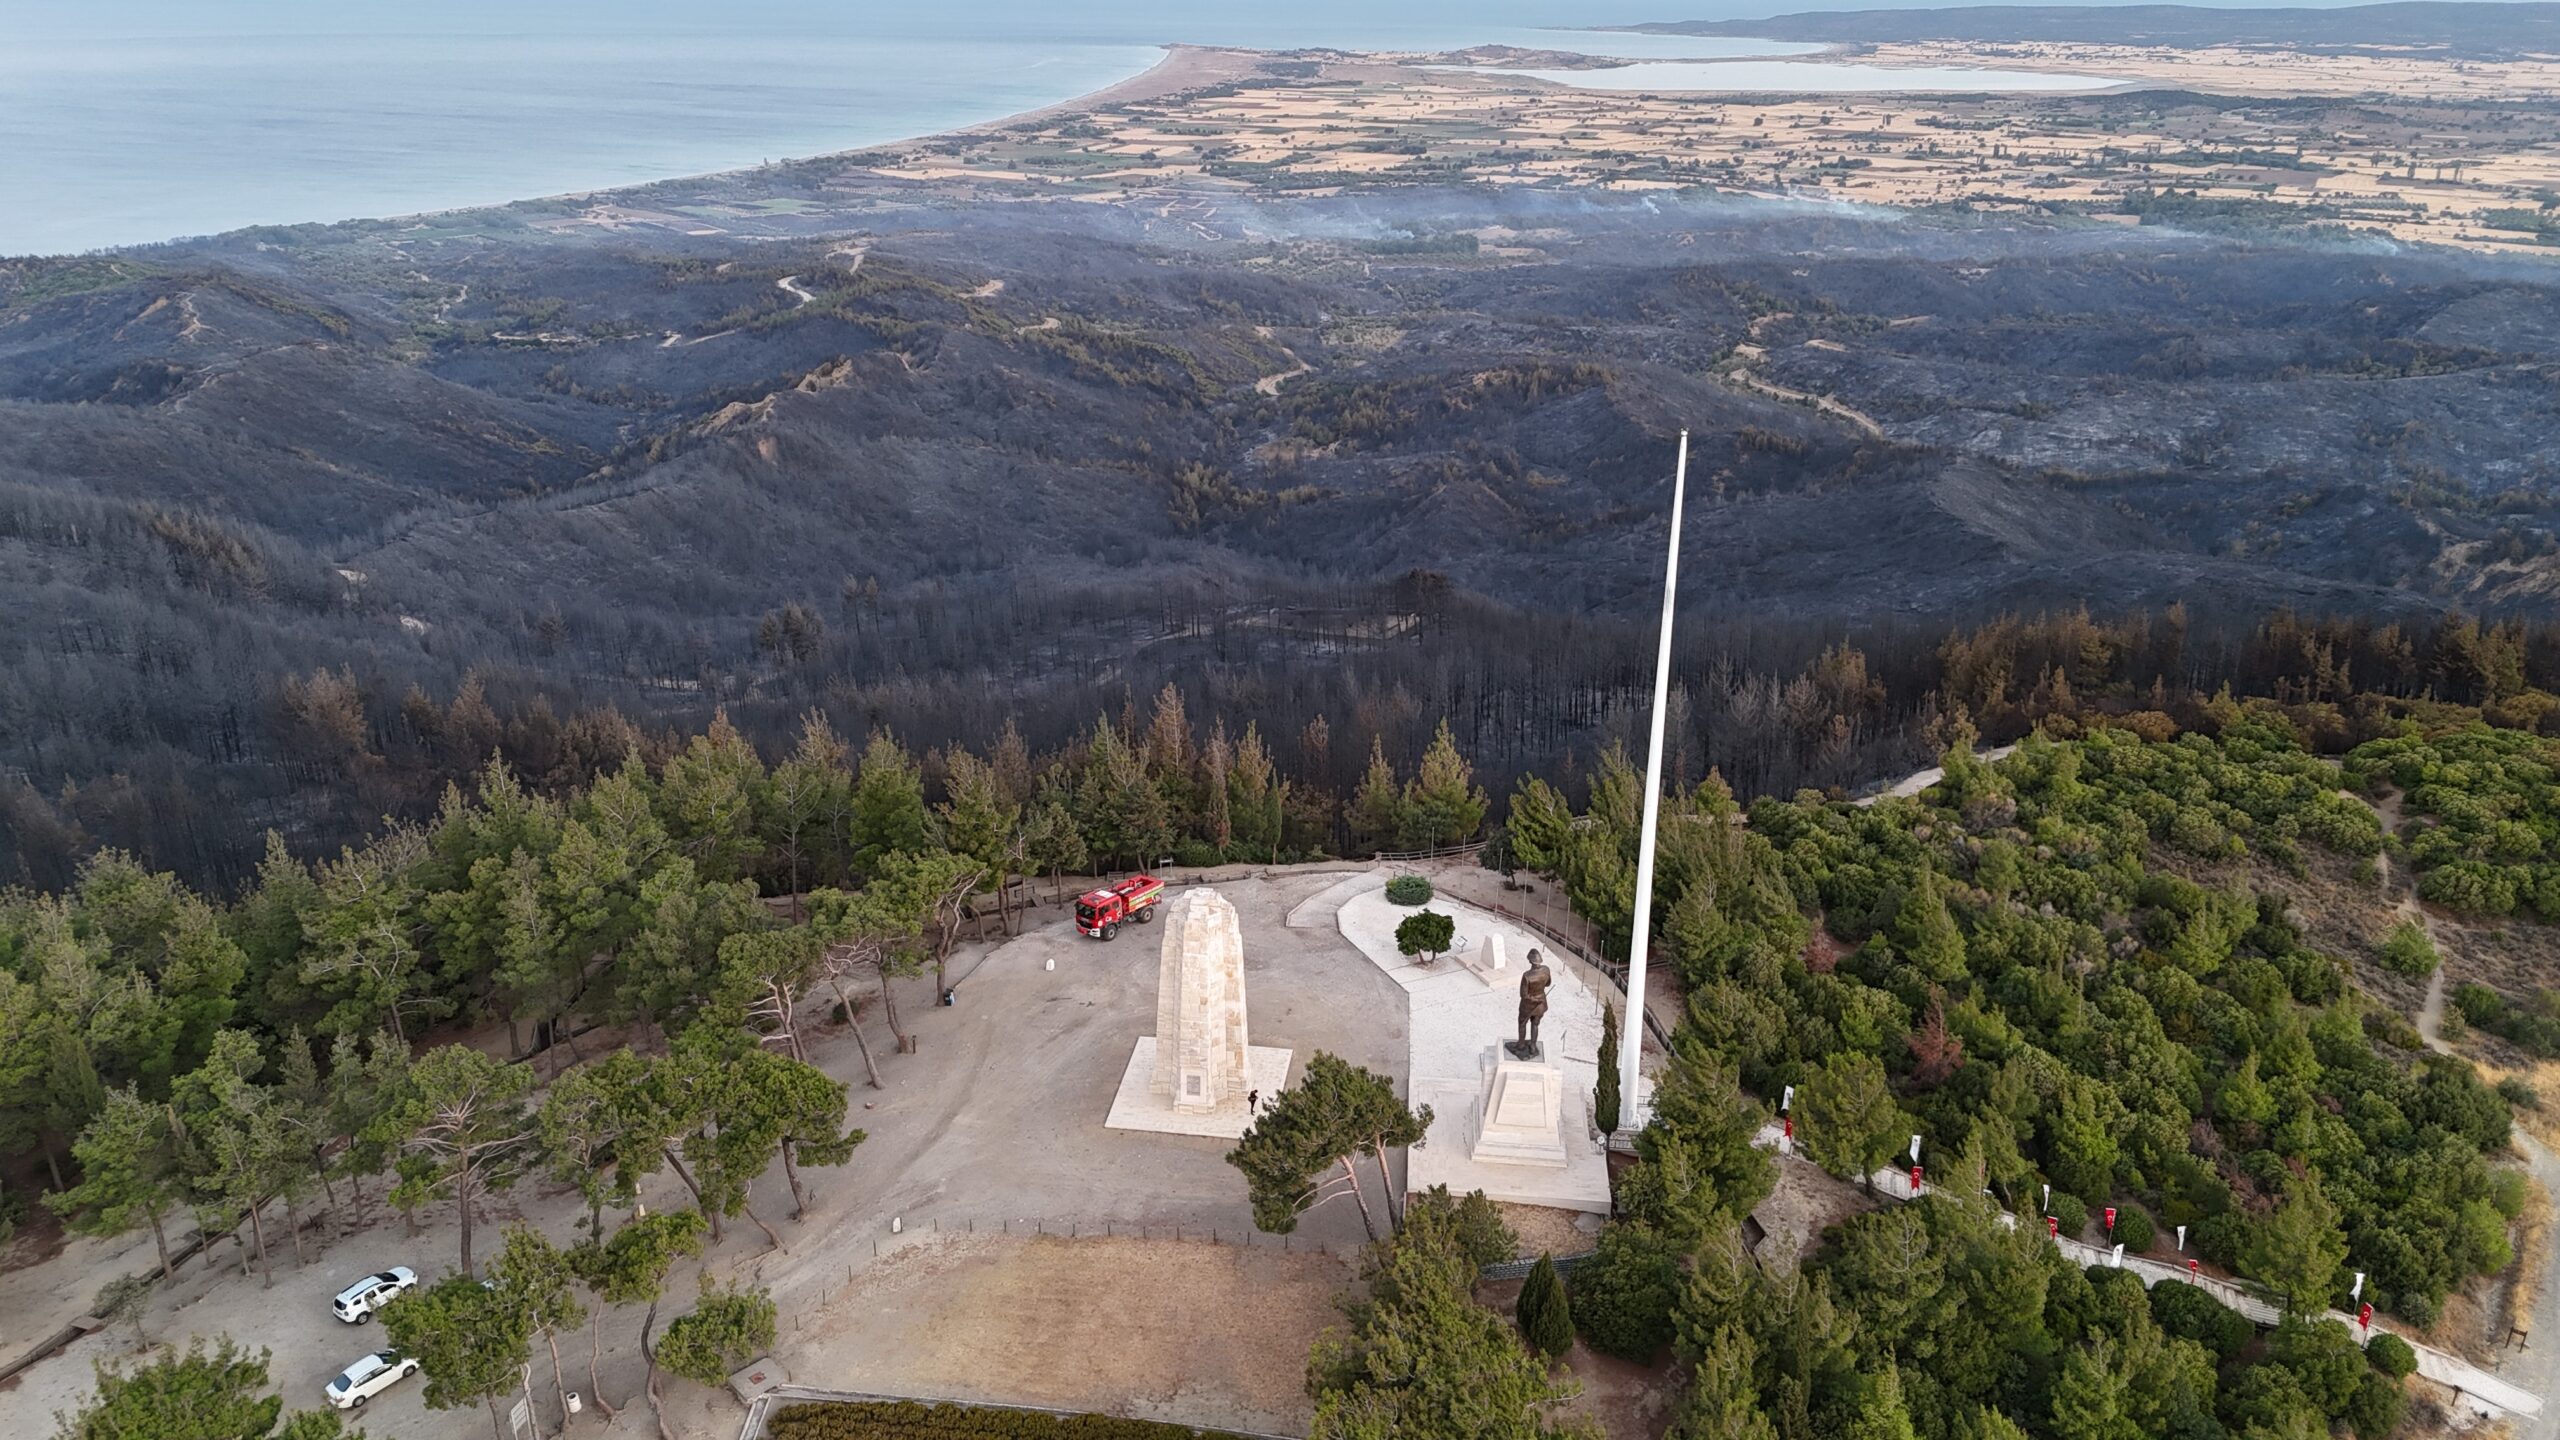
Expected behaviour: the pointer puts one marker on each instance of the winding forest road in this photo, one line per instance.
(2531, 1369)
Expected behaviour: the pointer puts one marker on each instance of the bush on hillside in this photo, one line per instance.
(2391, 1355)
(910, 1420)
(1622, 1295)
(1545, 1314)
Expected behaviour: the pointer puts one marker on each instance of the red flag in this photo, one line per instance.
(2111, 1219)
(2191, 1266)
(1915, 1179)
(2364, 1317)
(2053, 1227)
(1791, 1127)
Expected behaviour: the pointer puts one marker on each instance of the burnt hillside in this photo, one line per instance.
(1028, 459)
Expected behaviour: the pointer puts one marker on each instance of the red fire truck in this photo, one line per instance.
(1100, 913)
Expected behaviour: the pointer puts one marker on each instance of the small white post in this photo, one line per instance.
(1632, 1052)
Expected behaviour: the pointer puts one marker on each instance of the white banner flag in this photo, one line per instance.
(1915, 1149)
(2358, 1292)
(2182, 1239)
(2048, 1199)
(1787, 1101)
(2119, 1257)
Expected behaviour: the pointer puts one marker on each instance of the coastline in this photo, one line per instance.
(1181, 67)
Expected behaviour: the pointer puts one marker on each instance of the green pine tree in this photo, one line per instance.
(1546, 1316)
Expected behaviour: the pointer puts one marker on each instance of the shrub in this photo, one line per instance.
(2267, 1399)
(1545, 1314)
(909, 1420)
(2479, 1004)
(2219, 1236)
(1622, 1295)
(2134, 1230)
(2391, 1355)
(724, 1331)
(2409, 952)
(2073, 1215)
(2322, 1355)
(1426, 933)
(2393, 1029)
(1409, 890)
(1475, 1223)
(2377, 1407)
(2188, 1313)
(2417, 1308)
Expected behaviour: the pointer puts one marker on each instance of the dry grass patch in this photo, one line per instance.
(1204, 1334)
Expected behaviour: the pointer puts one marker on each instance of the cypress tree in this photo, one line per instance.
(1546, 1316)
(1604, 1100)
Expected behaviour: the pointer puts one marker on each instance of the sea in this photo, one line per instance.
(132, 121)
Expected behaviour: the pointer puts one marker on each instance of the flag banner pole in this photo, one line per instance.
(1640, 941)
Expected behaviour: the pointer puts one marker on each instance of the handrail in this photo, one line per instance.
(1445, 852)
(1616, 973)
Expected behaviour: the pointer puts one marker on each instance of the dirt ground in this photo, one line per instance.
(996, 1121)
(1202, 1333)
(1805, 1203)
(1543, 1231)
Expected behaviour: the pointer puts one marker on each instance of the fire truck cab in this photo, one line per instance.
(1101, 913)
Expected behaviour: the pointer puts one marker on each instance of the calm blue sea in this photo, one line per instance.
(126, 121)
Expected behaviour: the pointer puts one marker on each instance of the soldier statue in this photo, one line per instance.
(1533, 1007)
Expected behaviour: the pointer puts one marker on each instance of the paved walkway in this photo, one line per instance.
(1456, 1014)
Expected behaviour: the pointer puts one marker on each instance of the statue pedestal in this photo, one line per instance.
(1524, 1049)
(1520, 1120)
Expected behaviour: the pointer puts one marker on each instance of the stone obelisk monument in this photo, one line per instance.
(1200, 1043)
(1197, 1074)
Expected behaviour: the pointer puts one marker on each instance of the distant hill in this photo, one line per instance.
(292, 521)
(2465, 27)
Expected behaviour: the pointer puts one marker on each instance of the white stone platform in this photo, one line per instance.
(1138, 1107)
(1452, 1014)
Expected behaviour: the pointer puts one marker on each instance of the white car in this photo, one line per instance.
(357, 1302)
(368, 1377)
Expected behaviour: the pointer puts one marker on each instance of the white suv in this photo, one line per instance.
(357, 1302)
(368, 1377)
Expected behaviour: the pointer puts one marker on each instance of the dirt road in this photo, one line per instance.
(2537, 1370)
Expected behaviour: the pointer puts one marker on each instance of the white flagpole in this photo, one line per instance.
(1640, 941)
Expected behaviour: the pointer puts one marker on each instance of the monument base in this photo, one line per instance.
(1529, 1050)
(1138, 1107)
(1520, 1117)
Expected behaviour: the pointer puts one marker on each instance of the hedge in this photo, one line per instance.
(1409, 890)
(915, 1420)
